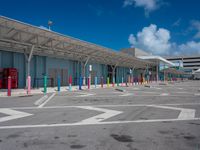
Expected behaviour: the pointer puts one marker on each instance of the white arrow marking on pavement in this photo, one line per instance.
(184, 114)
(13, 114)
(96, 119)
(85, 95)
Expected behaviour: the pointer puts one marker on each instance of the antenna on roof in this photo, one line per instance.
(50, 24)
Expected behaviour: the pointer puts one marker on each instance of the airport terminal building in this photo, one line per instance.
(37, 52)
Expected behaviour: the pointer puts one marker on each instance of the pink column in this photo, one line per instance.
(29, 85)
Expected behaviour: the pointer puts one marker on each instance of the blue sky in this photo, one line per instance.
(163, 27)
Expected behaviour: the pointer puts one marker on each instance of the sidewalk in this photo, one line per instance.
(23, 92)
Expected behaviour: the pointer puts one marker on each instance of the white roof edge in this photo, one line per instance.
(158, 58)
(197, 71)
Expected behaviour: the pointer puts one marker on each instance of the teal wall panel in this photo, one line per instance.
(7, 59)
(19, 63)
(41, 65)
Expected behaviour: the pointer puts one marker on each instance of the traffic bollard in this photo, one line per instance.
(70, 83)
(29, 85)
(9, 86)
(129, 80)
(58, 80)
(102, 82)
(108, 82)
(113, 83)
(88, 82)
(80, 83)
(95, 82)
(45, 84)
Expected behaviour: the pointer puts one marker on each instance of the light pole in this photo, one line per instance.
(50, 24)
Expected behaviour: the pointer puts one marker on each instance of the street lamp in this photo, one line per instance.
(50, 24)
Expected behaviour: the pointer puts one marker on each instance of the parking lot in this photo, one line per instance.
(156, 117)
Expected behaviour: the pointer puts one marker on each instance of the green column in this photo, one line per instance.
(108, 82)
(45, 84)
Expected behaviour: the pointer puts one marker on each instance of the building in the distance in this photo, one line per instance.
(188, 63)
(161, 63)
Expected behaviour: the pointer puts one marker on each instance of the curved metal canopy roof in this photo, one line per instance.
(19, 36)
(157, 59)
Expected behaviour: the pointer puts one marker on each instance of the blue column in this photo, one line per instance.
(58, 83)
(95, 82)
(80, 83)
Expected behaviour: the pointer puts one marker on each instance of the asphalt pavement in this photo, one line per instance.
(156, 117)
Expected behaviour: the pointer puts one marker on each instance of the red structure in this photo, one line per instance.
(9, 86)
(13, 73)
(1, 78)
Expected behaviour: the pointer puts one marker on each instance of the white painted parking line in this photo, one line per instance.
(85, 94)
(44, 103)
(151, 92)
(135, 88)
(126, 94)
(157, 88)
(184, 92)
(107, 114)
(184, 113)
(197, 94)
(13, 114)
(123, 105)
(164, 94)
(41, 100)
(99, 123)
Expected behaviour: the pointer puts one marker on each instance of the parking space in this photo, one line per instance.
(138, 118)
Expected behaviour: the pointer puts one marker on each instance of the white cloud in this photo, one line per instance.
(196, 25)
(152, 39)
(190, 48)
(148, 5)
(157, 41)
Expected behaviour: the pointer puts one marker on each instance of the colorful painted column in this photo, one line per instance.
(113, 83)
(9, 86)
(129, 80)
(95, 82)
(108, 82)
(102, 81)
(88, 82)
(70, 83)
(29, 85)
(45, 84)
(58, 80)
(80, 83)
